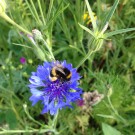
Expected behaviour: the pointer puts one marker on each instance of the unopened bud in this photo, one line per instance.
(2, 6)
(24, 106)
(20, 66)
(109, 91)
(30, 61)
(37, 35)
(12, 68)
(25, 74)
(3, 67)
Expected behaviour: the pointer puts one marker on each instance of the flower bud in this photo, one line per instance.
(12, 68)
(20, 66)
(2, 6)
(25, 74)
(3, 67)
(30, 61)
(25, 106)
(22, 60)
(37, 35)
(109, 91)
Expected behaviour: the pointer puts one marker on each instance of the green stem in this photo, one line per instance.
(10, 79)
(8, 19)
(55, 120)
(29, 116)
(115, 112)
(49, 49)
(28, 131)
(98, 46)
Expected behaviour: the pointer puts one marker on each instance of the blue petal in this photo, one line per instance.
(35, 80)
(36, 92)
(74, 85)
(36, 96)
(53, 108)
(45, 100)
(34, 99)
(45, 109)
(42, 72)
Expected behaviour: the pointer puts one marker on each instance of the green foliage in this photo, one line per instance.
(108, 130)
(103, 55)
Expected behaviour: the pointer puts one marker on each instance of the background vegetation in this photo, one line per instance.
(110, 71)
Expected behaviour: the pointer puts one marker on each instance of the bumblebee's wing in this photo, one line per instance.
(60, 70)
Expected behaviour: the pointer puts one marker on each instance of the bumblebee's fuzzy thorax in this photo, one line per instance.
(60, 72)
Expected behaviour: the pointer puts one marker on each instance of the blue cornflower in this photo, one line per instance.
(56, 94)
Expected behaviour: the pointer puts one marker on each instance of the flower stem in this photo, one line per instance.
(28, 131)
(98, 45)
(29, 116)
(55, 120)
(115, 111)
(49, 49)
(8, 19)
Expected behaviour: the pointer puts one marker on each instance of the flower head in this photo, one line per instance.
(55, 94)
(2, 6)
(87, 18)
(90, 99)
(22, 60)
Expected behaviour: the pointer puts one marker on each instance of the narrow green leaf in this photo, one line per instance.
(58, 51)
(34, 10)
(56, 15)
(108, 130)
(41, 11)
(86, 29)
(49, 10)
(31, 10)
(91, 15)
(118, 32)
(111, 12)
(76, 48)
(105, 116)
(22, 45)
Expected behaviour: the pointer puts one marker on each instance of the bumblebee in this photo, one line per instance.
(60, 72)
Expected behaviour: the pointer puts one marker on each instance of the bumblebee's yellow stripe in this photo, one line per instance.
(54, 79)
(53, 71)
(69, 76)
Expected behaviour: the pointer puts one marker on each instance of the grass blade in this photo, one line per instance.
(36, 14)
(31, 10)
(119, 32)
(88, 30)
(91, 15)
(49, 10)
(110, 14)
(22, 45)
(56, 15)
(41, 11)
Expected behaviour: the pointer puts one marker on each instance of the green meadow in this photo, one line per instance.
(97, 37)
